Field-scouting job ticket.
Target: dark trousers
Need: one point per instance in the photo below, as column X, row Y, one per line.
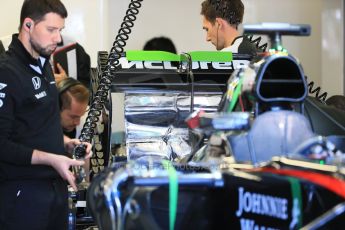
column 33, row 204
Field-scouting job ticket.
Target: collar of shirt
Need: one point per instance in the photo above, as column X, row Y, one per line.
column 17, row 47
column 234, row 46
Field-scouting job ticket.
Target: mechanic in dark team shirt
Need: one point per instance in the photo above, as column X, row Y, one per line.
column 220, row 20
column 34, row 167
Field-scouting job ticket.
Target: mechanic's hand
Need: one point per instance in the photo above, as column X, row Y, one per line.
column 72, row 143
column 62, row 165
column 61, row 73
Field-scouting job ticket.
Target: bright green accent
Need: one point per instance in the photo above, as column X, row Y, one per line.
column 296, row 194
column 235, row 96
column 282, row 49
column 322, row 162
column 202, row 56
column 212, row 56
column 173, row 192
column 140, row 55
column 279, row 49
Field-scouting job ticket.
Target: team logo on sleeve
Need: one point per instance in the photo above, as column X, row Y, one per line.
column 36, row 81
column 2, row 95
column 2, row 86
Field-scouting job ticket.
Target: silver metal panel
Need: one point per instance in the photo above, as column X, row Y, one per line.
column 155, row 122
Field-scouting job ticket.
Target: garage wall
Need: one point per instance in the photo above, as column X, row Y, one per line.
column 94, row 23
column 332, row 47
column 183, row 25
column 87, row 22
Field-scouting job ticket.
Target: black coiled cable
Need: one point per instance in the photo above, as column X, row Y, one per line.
column 257, row 42
column 316, row 90
column 100, row 96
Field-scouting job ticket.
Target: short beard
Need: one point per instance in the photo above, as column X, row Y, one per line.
column 39, row 49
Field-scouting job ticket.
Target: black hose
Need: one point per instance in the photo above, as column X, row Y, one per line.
column 100, row 96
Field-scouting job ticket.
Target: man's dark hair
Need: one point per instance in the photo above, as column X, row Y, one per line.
column 70, row 88
column 161, row 44
column 230, row 10
column 37, row 9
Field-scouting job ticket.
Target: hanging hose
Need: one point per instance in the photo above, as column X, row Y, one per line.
column 256, row 42
column 100, row 96
column 104, row 84
column 317, row 91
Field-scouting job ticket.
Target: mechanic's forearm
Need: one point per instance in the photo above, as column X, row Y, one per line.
column 42, row 158
column 66, row 139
